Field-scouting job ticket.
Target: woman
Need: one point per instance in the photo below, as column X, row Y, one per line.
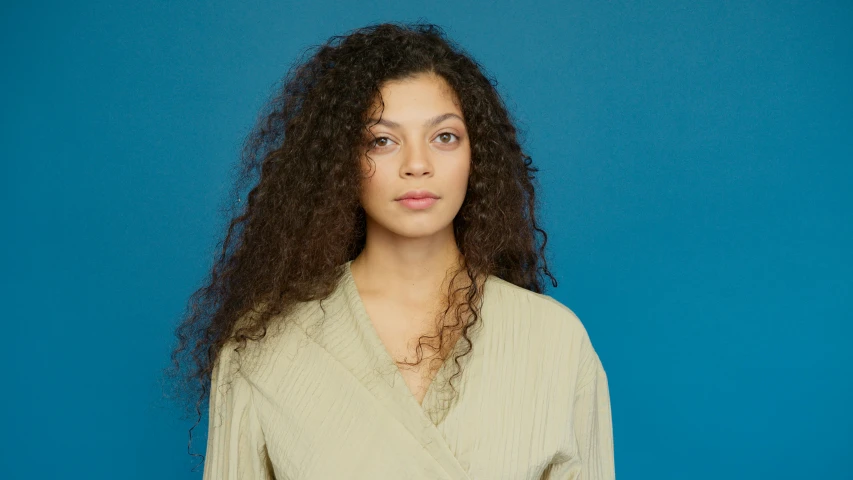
column 377, row 309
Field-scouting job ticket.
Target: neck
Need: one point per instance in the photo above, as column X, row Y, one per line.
column 415, row 276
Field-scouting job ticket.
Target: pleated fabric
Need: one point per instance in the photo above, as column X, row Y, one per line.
column 321, row 398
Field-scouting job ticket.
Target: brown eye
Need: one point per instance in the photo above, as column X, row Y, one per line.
column 445, row 134
column 375, row 142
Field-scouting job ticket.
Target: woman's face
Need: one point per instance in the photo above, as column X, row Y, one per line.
column 422, row 144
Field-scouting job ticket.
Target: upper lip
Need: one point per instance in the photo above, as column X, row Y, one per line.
column 417, row 194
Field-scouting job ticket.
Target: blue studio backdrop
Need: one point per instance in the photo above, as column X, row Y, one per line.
column 695, row 181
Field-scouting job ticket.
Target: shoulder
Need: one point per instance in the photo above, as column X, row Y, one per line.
column 518, row 304
column 249, row 357
column 539, row 325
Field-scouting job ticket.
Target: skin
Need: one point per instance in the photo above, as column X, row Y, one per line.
column 401, row 273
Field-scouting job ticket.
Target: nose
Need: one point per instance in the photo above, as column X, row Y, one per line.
column 416, row 160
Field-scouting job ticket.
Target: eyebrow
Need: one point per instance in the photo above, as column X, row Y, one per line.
column 428, row 124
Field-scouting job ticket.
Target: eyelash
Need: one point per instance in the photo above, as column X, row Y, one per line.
column 372, row 143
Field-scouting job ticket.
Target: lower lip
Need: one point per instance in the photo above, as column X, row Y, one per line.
column 418, row 203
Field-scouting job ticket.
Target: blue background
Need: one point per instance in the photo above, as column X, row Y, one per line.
column 695, row 176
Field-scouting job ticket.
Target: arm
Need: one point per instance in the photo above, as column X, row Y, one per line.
column 235, row 443
column 593, row 430
column 593, row 426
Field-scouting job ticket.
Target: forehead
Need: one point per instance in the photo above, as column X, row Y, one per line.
column 416, row 97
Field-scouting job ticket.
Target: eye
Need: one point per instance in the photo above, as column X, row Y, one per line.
column 445, row 134
column 382, row 142
column 375, row 142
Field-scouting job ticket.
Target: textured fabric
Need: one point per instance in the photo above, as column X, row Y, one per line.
column 321, row 398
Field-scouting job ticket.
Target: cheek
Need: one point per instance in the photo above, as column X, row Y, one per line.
column 461, row 176
column 368, row 175
column 374, row 189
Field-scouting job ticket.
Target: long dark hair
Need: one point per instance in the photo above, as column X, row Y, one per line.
column 285, row 243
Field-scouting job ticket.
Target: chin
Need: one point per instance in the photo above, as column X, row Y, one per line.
column 419, row 229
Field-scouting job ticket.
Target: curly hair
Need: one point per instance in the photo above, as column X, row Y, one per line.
column 285, row 244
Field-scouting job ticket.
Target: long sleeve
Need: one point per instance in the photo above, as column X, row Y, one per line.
column 593, row 429
column 235, row 444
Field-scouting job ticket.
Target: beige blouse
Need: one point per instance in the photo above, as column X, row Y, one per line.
column 321, row 398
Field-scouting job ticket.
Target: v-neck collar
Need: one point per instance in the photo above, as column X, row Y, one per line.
column 355, row 343
column 366, row 325
column 345, row 333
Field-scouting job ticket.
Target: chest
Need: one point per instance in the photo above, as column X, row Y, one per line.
column 338, row 404
column 400, row 328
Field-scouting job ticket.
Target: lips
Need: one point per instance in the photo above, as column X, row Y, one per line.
column 417, row 194
column 418, row 203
